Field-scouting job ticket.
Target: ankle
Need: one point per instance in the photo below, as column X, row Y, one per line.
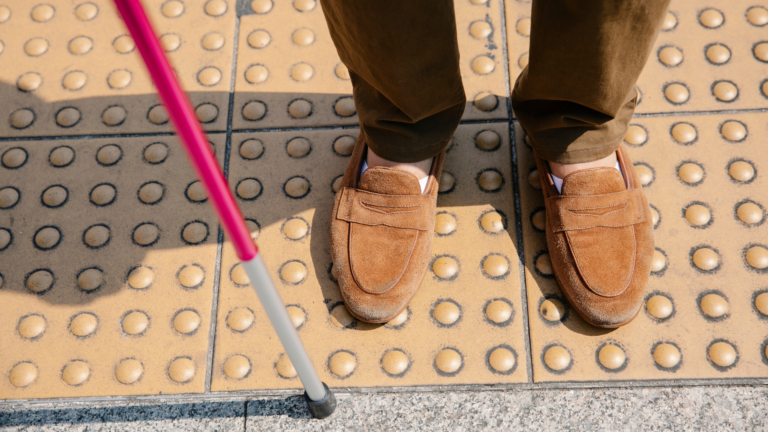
column 562, row 170
column 419, row 169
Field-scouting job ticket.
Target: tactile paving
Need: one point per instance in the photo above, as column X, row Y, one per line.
column 465, row 324
column 708, row 57
column 69, row 68
column 706, row 307
column 289, row 74
column 106, row 268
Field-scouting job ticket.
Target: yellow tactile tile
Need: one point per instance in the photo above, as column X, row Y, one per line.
column 78, row 72
column 708, row 57
column 103, row 291
column 464, row 325
column 289, row 75
column 705, row 309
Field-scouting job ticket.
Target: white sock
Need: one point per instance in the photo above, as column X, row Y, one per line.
column 422, row 182
column 559, row 182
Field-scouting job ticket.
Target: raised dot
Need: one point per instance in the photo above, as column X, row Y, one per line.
column 344, row 145
column 248, row 189
column 487, row 140
column 448, row 361
column 761, row 52
column 113, row 116
column 5, row 14
column 186, row 322
column 119, row 79
column 151, row 193
column 124, row 44
column 395, row 362
column 492, row 222
column 523, row 61
column 722, row 354
column 533, row 179
column 445, row 267
column 146, row 234
column 297, row 316
column 295, row 228
column 209, row 76
column 446, row 313
column 158, row 115
column 172, row 8
column 181, row 370
column 256, row 74
column 557, row 358
column 254, row 110
column 238, row 275
column 75, row 372
column 80, row 45
column 304, row 5
column 336, row 185
column 611, row 357
column 711, row 18
column 733, row 131
column 757, row 16
column 725, row 91
column 490, row 180
column 86, row 11
column 196, row 192
column 170, row 42
column 552, row 310
column 141, row 277
column 447, row 181
column 191, row 276
column 303, row 37
column 345, row 107
column 483, row 65
column 195, row 232
column 36, row 47
column 284, row 367
column 523, row 27
column 253, row 227
column 445, row 223
column 129, row 371
column 342, row 364
column 741, row 171
column 206, row 112
column 302, row 72
column 240, row 319
column 296, row 187
column 718, row 53
column 96, row 236
column 293, row 272
column 501, row 360
column 83, row 324
column 480, row 29
column 544, row 265
column 29, row 81
column 237, row 367
column 670, row 56
column 690, row 173
column 706, row 259
column 479, row 2
column 68, row 117
column 757, row 257
column 103, row 194
column 342, row 72
column 749, row 213
column 714, row 305
column 14, row 158
column 251, row 149
column 644, row 174
column 23, row 374
column 31, row 326
column 340, row 316
column 659, row 307
column 74, row 80
column 761, row 303
column 5, row 240
column 8, row 197
column 90, row 279
column 539, row 220
column 495, row 266
column 22, row 118
column 42, row 13
column 697, row 215
column 300, row 108
column 670, row 21
column 61, row 156
column 399, row 320
column 216, row 8
column 298, row 147
column 676, row 93
column 684, row 133
column 635, row 135
column 47, row 238
column 498, row 311
column 486, row 101
column 135, row 323
column 259, row 38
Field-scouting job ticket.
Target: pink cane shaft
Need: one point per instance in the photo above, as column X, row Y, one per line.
column 187, row 127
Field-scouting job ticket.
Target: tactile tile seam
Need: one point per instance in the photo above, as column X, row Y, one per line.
column 707, row 57
column 706, row 310
column 69, row 68
column 463, row 326
column 289, row 74
column 106, row 269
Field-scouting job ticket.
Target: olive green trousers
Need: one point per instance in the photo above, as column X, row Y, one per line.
column 574, row 99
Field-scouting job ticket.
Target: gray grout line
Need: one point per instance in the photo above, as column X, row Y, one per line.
column 701, row 113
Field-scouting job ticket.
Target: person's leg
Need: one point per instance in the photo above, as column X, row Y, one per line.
column 403, row 58
column 577, row 95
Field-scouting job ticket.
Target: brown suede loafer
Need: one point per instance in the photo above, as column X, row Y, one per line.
column 600, row 239
column 381, row 236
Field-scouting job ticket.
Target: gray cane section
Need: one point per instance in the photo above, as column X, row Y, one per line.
column 278, row 316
